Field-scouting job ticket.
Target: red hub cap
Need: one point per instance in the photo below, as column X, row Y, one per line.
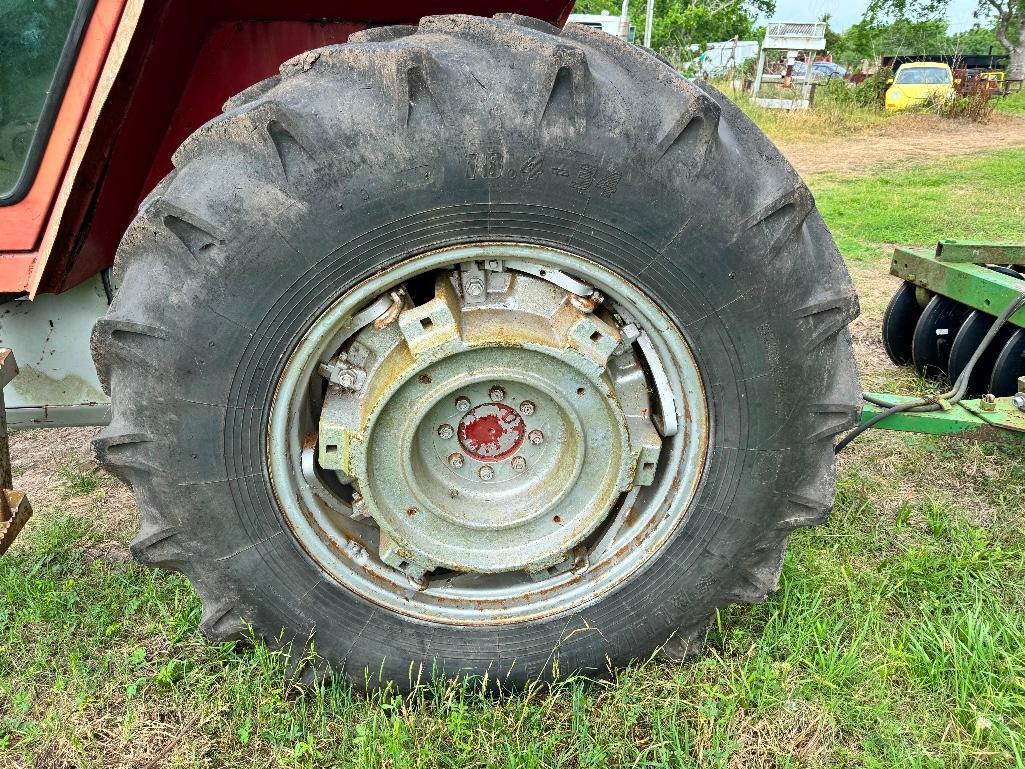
column 491, row 432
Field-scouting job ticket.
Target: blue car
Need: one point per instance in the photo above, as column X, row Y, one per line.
column 821, row 70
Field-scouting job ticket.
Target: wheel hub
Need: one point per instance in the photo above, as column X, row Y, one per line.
column 489, row 434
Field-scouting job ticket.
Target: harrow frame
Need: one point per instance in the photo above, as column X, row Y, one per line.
column 958, row 270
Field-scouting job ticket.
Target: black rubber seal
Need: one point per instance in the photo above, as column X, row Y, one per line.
column 48, row 115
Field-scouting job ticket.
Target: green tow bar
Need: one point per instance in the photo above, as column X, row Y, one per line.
column 979, row 419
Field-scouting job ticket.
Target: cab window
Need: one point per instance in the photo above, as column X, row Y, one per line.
column 923, row 76
column 38, row 45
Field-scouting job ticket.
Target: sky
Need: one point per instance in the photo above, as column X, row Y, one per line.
column 847, row 12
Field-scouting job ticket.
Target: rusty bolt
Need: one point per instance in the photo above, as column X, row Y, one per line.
column 536, row 437
column 519, row 464
column 527, row 408
column 463, row 404
column 393, row 311
column 421, row 583
column 347, row 379
column 580, row 562
column 586, row 304
column 475, row 288
column 486, row 473
column 988, row 402
column 456, row 460
column 357, row 550
column 445, row 432
column 496, row 393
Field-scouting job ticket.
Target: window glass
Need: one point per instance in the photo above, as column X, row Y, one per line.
column 32, row 37
column 923, row 76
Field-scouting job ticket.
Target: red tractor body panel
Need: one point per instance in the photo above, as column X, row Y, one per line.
column 147, row 75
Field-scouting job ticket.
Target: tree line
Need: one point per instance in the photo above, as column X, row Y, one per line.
column 888, row 27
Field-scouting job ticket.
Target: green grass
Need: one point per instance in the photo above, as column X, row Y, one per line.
column 1014, row 104
column 76, row 483
column 897, row 638
column 972, row 196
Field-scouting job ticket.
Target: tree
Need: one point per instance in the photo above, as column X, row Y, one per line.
column 977, row 40
column 834, row 39
column 679, row 24
column 871, row 38
column 1008, row 17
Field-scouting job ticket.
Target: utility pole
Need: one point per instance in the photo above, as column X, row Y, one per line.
column 624, row 21
column 647, row 23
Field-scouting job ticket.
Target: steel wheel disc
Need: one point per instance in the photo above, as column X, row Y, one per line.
column 508, row 449
column 1009, row 365
column 902, row 313
column 934, row 334
column 968, row 338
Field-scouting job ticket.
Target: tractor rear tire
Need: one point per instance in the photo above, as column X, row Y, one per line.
column 469, row 130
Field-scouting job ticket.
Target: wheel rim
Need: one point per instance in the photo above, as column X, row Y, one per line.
column 511, row 447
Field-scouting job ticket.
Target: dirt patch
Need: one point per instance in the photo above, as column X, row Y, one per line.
column 904, row 141
column 875, row 286
column 57, row 469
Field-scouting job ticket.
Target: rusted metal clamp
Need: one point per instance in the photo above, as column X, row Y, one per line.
column 15, row 509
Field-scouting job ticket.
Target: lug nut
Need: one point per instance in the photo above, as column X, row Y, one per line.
column 527, row 408
column 463, row 404
column 475, row 288
column 486, row 473
column 357, row 551
column 536, row 437
column 445, row 432
column 456, row 460
column 1019, row 401
column 496, row 393
column 519, row 464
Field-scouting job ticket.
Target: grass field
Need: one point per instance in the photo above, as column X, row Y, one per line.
column 1014, row 104
column 980, row 196
column 897, row 637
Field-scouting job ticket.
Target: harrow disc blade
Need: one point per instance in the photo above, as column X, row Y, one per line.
column 1012, row 272
column 934, row 334
column 975, row 327
column 902, row 313
column 1009, row 365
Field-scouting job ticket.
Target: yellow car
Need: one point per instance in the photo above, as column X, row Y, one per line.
column 917, row 82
